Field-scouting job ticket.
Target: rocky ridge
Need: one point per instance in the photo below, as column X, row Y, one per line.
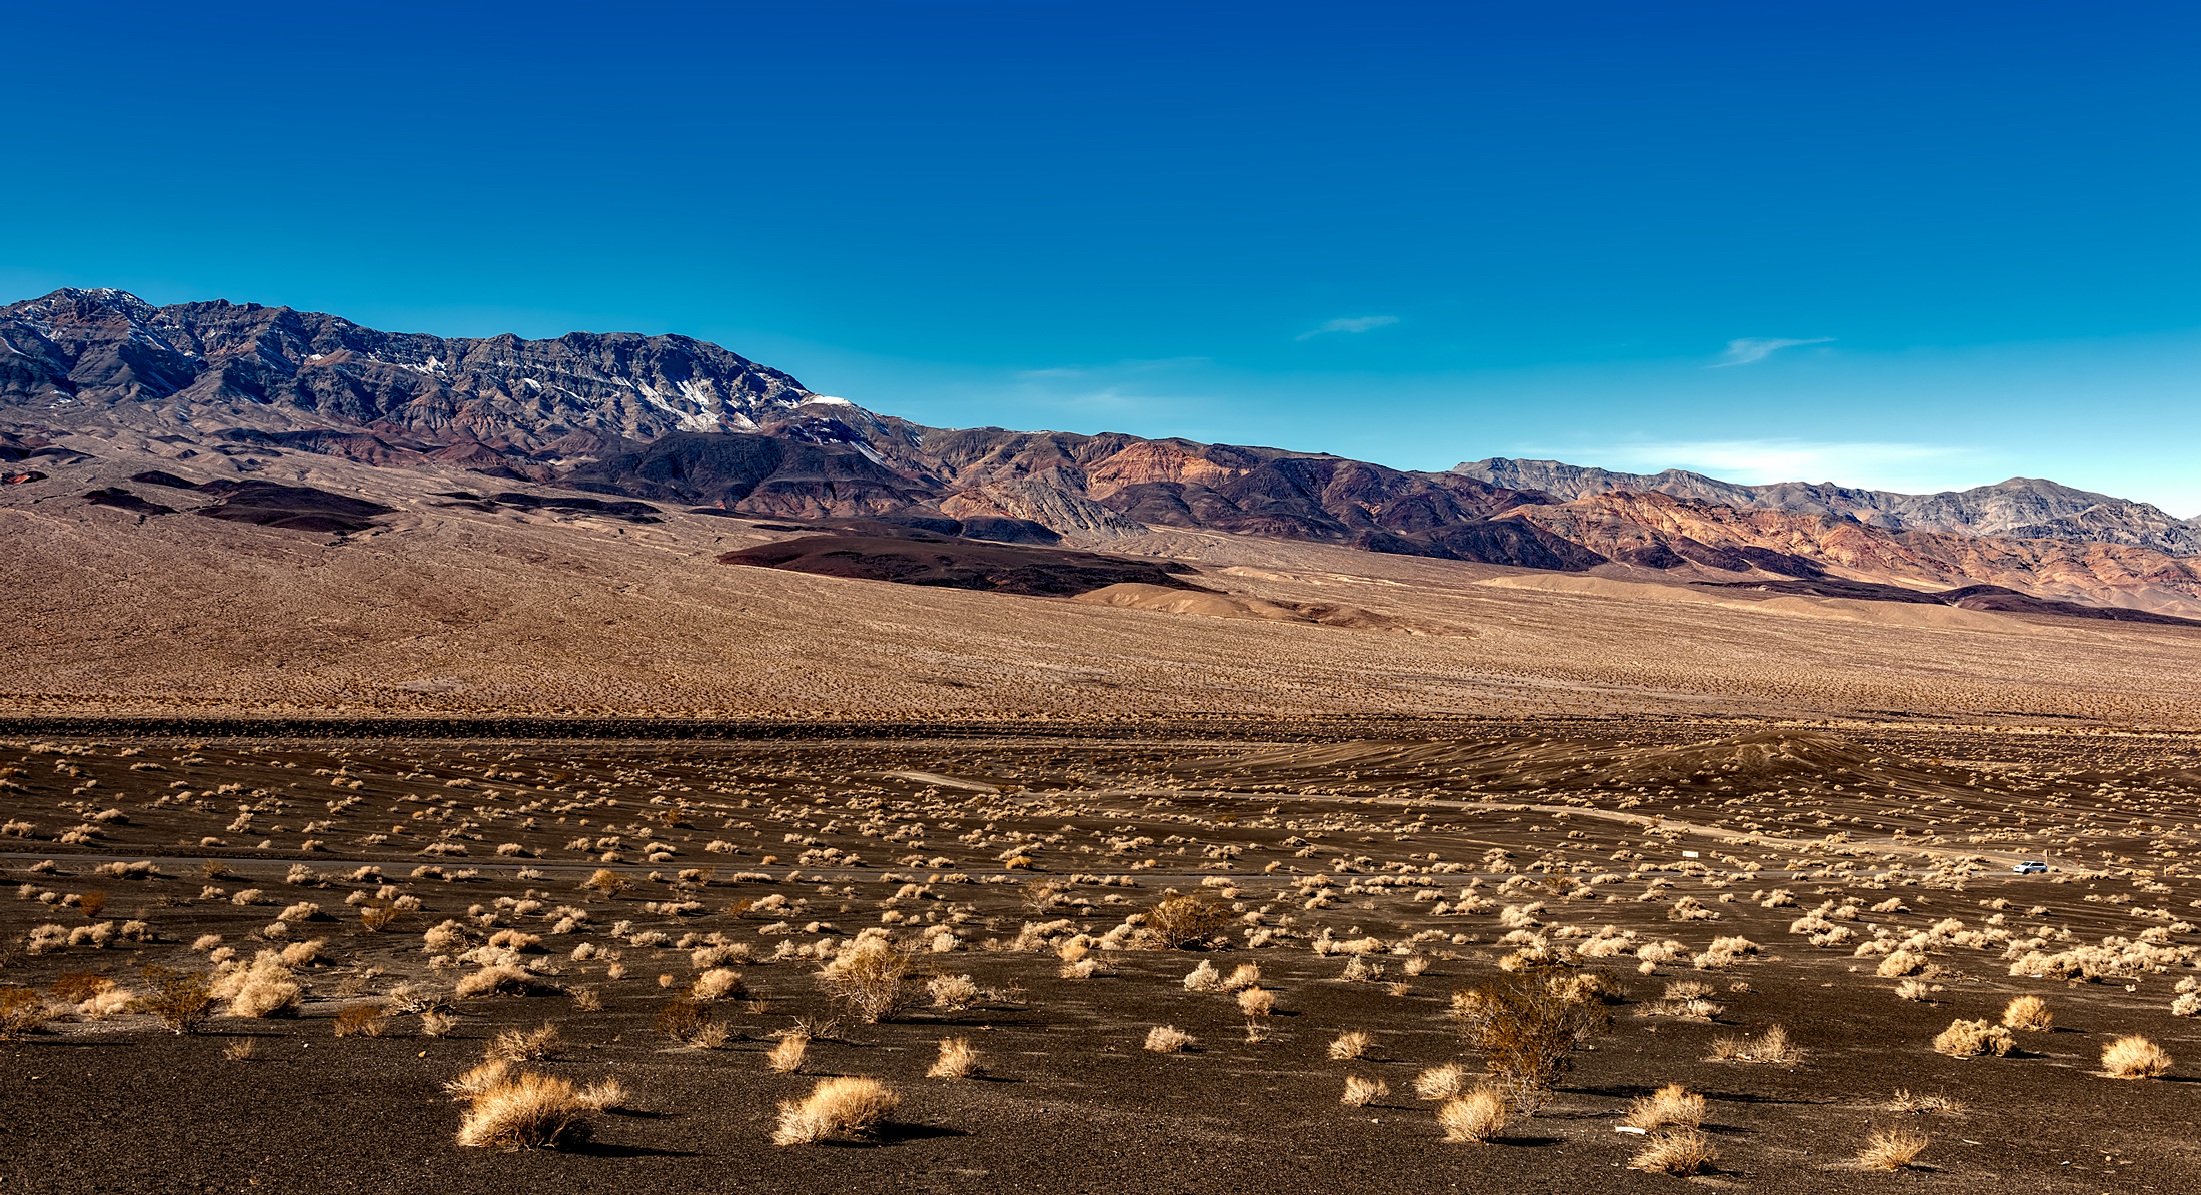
column 672, row 420
column 2020, row 508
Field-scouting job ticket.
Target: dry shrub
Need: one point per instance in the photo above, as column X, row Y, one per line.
column 1683, row 1152
column 1445, row 1081
column 1527, row 1028
column 75, row 987
column 587, row 1000
column 716, row 984
column 2029, row 1014
column 525, row 1111
column 691, row 1022
column 1479, row 1115
column 501, row 980
column 785, row 1058
column 847, row 1106
column 1361, row 1092
column 362, row 1020
column 22, row 1011
column 437, row 1024
column 1184, row 922
column 1350, row 1045
column 377, row 916
column 953, row 992
column 606, row 882
column 447, row 937
column 1256, row 1002
column 1900, row 963
column 263, row 988
column 1970, row 1039
column 1892, row 1149
column 241, row 1049
column 1204, row 978
column 1913, row 989
column 1167, row 1039
column 958, row 1060
column 482, row 1077
column 91, row 903
column 2134, row 1057
column 874, row 977
column 524, row 1045
column 1670, row 1107
column 1772, row 1047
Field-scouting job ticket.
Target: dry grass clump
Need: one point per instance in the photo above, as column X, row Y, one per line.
column 1167, row 1039
column 525, row 1111
column 847, row 1106
column 1256, row 1002
column 1478, row 1115
column 1914, row 989
column 262, row 988
column 1683, row 1152
column 2029, row 1014
column 1361, row 1092
column 1445, row 1081
column 786, row 1055
column 1900, row 963
column 1892, row 1149
column 1772, row 1047
column 1970, row 1039
column 1670, row 1107
column 362, row 1020
column 2134, row 1057
column 1204, row 978
column 958, row 1060
column 717, row 983
column 525, row 1045
column 435, row 1023
column 480, row 1078
column 501, row 979
column 874, row 977
column 1350, row 1045
column 1904, row 1101
column 241, row 1049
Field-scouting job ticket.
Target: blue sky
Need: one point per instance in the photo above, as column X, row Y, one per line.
column 1913, row 245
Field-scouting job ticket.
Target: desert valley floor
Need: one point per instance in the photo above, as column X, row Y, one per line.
column 319, row 844
column 595, row 905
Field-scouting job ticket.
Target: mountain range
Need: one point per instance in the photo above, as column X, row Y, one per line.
column 671, row 419
column 2020, row 508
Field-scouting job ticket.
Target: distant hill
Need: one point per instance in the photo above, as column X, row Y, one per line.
column 2020, row 508
column 99, row 386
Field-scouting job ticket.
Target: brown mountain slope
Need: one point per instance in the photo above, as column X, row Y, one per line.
column 505, row 606
column 1658, row 531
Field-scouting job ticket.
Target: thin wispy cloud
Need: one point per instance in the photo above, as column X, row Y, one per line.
column 1351, row 326
column 1749, row 350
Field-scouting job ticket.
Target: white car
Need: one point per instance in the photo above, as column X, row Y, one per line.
column 2031, row 867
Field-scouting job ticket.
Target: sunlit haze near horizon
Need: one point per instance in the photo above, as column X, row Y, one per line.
column 1903, row 246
